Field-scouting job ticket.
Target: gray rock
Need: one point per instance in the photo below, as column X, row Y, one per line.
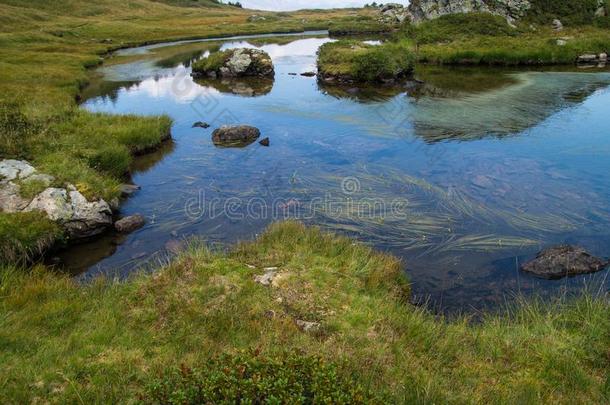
column 306, row 326
column 512, row 10
column 557, row 25
column 130, row 223
column 128, row 189
column 10, row 199
column 588, row 58
column 564, row 261
column 15, row 169
column 235, row 135
column 267, row 278
column 561, row 42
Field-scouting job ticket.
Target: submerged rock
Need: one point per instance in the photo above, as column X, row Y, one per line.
column 564, row 261
column 128, row 189
column 130, row 223
column 235, row 135
column 237, row 62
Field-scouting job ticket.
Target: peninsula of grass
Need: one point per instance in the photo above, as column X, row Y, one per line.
column 349, row 61
column 201, row 329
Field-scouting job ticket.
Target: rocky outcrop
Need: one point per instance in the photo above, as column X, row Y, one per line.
column 394, row 13
column 240, row 62
column 235, row 135
column 564, row 261
column 512, row 10
column 593, row 59
column 79, row 217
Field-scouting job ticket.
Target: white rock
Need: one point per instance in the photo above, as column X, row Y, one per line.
column 10, row 199
column 54, row 202
column 12, row 169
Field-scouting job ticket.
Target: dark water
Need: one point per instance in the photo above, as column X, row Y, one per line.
column 464, row 176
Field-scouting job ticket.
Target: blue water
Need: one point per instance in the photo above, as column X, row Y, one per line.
column 462, row 179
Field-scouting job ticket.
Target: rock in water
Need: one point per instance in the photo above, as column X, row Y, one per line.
column 564, row 261
column 201, row 124
column 237, row 62
column 130, row 223
column 235, row 135
column 264, row 142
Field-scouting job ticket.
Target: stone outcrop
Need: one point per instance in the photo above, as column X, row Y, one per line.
column 512, row 10
column 564, row 261
column 394, row 13
column 239, row 62
column 79, row 217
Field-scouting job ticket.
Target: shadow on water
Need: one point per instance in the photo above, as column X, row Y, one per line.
column 463, row 173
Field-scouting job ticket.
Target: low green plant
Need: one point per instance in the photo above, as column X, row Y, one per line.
column 570, row 12
column 452, row 26
column 212, row 63
column 249, row 377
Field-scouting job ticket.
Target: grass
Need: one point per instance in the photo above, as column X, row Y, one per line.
column 482, row 39
column 121, row 341
column 350, row 60
column 25, row 236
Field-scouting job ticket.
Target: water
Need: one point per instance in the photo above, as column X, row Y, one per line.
column 464, row 176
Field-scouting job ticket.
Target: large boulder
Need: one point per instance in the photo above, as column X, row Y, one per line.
column 239, row 62
column 564, row 261
column 79, row 217
column 512, row 10
column 235, row 135
column 394, row 13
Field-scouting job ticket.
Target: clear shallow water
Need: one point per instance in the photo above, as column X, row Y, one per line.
column 463, row 176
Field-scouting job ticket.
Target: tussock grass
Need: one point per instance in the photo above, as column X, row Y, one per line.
column 69, row 343
column 26, row 236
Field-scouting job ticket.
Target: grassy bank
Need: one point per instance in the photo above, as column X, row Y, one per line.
column 46, row 50
column 482, row 39
column 153, row 335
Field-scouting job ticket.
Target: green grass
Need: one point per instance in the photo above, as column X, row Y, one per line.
column 483, row 39
column 358, row 25
column 350, row 60
column 117, row 341
column 25, row 236
column 570, row 12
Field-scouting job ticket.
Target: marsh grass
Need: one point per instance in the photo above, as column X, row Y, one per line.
column 70, row 343
column 24, row 237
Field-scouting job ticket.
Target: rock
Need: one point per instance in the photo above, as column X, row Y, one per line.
column 564, row 261
column 79, row 217
column 267, row 278
column 10, row 199
column 264, row 142
column 588, row 58
column 15, row 169
column 561, row 42
column 235, row 135
column 306, row 326
column 128, row 189
column 557, row 25
column 308, row 74
column 201, row 124
column 255, row 18
column 239, row 62
column 292, row 74
column 394, row 13
column 512, row 10
column 603, row 57
column 601, row 9
column 130, row 223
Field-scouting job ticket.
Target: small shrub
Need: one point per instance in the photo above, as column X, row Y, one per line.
column 255, row 379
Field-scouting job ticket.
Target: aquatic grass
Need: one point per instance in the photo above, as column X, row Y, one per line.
column 70, row 342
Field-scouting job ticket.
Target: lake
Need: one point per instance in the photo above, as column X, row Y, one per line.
column 464, row 174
